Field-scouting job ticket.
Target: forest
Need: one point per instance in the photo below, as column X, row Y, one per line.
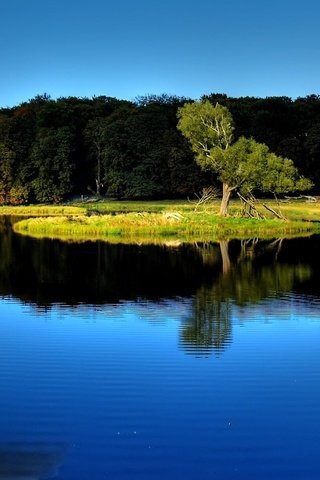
column 53, row 150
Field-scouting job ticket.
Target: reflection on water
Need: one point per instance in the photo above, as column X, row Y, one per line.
column 214, row 276
column 250, row 275
column 29, row 461
column 152, row 362
column 45, row 272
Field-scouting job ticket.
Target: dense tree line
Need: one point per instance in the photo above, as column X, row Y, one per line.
column 54, row 149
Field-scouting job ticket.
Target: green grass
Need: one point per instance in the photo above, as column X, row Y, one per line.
column 156, row 222
column 160, row 221
column 297, row 210
column 301, row 211
column 127, row 206
column 294, row 211
column 42, row 210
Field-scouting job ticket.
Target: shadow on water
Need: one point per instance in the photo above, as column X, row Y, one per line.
column 50, row 271
column 29, row 461
column 215, row 276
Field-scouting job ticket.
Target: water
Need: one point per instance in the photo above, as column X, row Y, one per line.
column 134, row 362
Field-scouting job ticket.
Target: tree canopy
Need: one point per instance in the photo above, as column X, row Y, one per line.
column 57, row 149
column 243, row 165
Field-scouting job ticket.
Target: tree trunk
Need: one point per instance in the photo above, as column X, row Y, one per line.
column 224, row 251
column 226, row 192
column 98, row 179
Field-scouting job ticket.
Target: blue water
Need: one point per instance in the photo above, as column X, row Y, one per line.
column 112, row 388
column 185, row 387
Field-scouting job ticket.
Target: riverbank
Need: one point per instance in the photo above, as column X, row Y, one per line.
column 42, row 210
column 160, row 221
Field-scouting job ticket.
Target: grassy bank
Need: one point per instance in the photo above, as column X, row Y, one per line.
column 166, row 221
column 42, row 210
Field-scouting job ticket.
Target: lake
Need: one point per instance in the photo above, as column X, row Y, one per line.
column 150, row 362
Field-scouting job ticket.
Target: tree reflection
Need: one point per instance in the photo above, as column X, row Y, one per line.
column 46, row 271
column 249, row 273
column 217, row 276
column 208, row 327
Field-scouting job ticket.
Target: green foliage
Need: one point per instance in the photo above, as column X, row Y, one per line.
column 186, row 176
column 243, row 166
column 312, row 149
column 207, row 127
column 138, row 150
column 250, row 166
column 95, row 138
column 136, row 154
column 18, row 194
column 11, row 189
column 7, row 158
column 52, row 164
column 280, row 176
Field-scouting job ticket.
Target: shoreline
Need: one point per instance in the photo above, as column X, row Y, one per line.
column 158, row 222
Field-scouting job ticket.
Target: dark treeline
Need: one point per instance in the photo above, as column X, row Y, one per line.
column 51, row 150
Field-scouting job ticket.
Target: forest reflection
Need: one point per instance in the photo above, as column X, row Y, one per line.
column 214, row 276
column 43, row 272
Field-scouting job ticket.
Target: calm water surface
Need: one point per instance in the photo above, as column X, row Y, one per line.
column 149, row 362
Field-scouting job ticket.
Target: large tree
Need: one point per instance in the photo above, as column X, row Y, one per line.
column 242, row 166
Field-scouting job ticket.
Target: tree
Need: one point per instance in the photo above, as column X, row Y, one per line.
column 95, row 137
column 52, row 164
column 7, row 157
column 135, row 154
column 242, row 166
column 12, row 190
column 312, row 146
column 210, row 132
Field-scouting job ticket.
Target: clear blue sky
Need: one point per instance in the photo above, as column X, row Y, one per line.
column 125, row 48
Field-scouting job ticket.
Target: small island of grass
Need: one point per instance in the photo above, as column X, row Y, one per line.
column 162, row 221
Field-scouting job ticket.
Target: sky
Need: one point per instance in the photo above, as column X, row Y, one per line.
column 128, row 48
